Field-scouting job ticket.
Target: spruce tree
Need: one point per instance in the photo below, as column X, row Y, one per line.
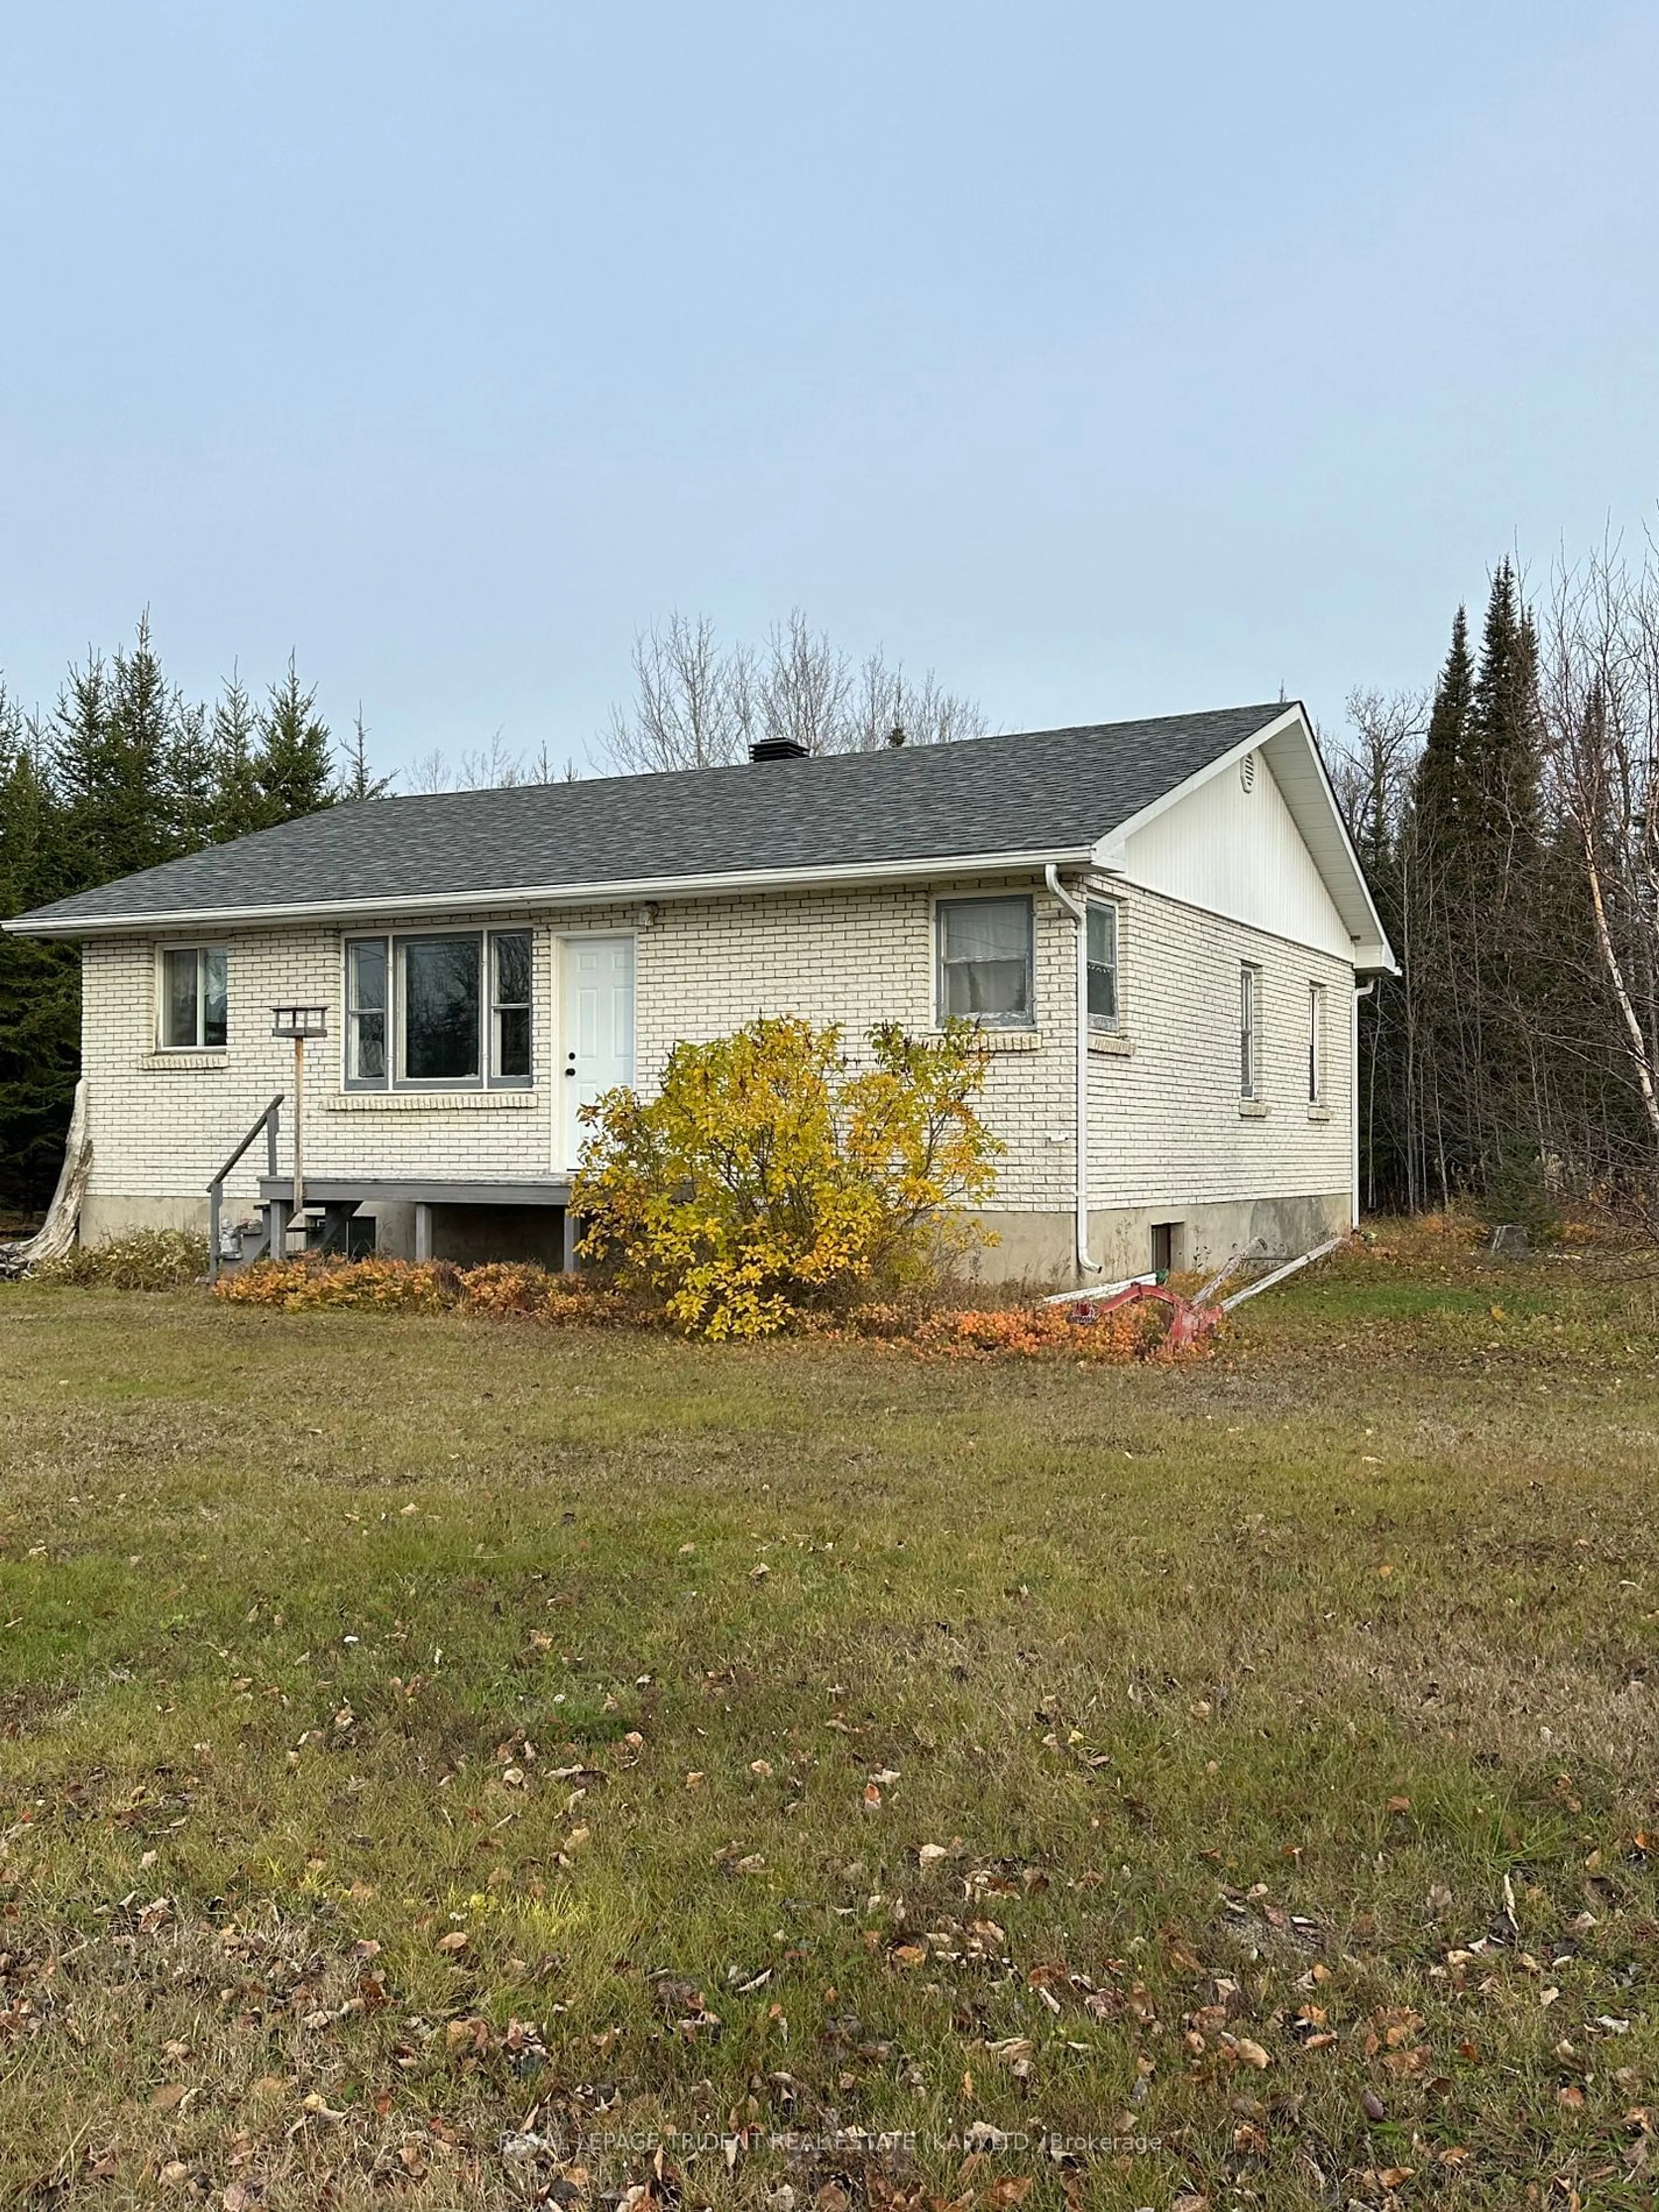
column 293, row 761
column 360, row 780
column 237, row 807
column 1503, row 731
column 1439, row 793
column 194, row 779
column 111, row 744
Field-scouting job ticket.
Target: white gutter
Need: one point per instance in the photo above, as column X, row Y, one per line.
column 492, row 898
column 1087, row 1264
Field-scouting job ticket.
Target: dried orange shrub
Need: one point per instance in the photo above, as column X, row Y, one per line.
column 507, row 1286
column 422, row 1286
column 1134, row 1332
column 310, row 1286
column 522, row 1291
column 502, row 1289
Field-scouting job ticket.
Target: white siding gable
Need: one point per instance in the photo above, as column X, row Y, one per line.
column 1239, row 853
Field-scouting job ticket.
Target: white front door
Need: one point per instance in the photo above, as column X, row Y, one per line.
column 598, row 1030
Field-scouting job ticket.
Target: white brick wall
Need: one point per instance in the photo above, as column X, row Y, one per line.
column 1165, row 1125
column 1166, row 1121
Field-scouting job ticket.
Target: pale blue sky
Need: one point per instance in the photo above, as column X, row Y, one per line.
column 1110, row 359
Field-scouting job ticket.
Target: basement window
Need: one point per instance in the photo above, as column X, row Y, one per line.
column 417, row 1017
column 985, row 962
column 194, row 999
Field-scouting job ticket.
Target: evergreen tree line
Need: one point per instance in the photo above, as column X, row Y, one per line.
column 123, row 772
column 1498, row 1067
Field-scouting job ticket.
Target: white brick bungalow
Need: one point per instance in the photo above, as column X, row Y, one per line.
column 1160, row 925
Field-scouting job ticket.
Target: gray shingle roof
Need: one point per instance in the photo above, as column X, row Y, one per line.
column 1043, row 791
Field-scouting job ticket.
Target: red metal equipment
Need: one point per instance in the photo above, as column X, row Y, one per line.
column 1188, row 1321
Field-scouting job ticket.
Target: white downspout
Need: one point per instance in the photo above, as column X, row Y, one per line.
column 1087, row 1264
column 1360, row 991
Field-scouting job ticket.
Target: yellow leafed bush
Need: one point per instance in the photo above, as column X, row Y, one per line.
column 767, row 1178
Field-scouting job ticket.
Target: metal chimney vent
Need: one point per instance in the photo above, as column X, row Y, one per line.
column 765, row 749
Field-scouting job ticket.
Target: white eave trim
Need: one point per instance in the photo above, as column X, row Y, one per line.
column 512, row 898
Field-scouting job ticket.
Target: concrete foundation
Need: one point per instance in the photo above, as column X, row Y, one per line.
column 1039, row 1249
column 106, row 1216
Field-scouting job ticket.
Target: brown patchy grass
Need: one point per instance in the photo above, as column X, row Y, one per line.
column 1170, row 1761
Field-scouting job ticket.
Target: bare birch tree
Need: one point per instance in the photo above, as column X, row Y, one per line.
column 1599, row 689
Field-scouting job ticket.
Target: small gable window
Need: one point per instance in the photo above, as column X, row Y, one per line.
column 195, row 999
column 985, row 962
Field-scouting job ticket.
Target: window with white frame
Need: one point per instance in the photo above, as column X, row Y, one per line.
column 1103, row 1000
column 985, row 962
column 194, row 999
column 1249, row 1031
column 438, row 1010
column 510, row 1007
column 1316, row 1044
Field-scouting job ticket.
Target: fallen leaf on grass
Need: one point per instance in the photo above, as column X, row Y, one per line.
column 1016, row 2052
column 455, row 1941
column 170, row 2096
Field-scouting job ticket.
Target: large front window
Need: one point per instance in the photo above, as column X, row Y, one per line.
column 195, row 999
column 985, row 962
column 439, row 976
column 438, row 1011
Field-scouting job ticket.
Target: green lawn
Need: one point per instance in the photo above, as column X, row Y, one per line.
column 440, row 1761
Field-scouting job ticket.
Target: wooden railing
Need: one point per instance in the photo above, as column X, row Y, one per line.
column 267, row 1122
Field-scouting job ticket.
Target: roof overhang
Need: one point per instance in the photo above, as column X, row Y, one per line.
column 1288, row 745
column 927, row 868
